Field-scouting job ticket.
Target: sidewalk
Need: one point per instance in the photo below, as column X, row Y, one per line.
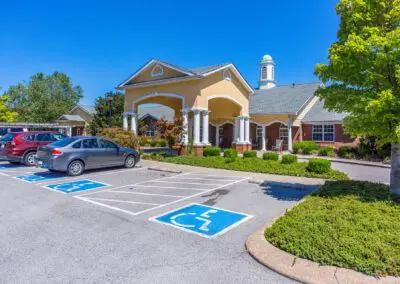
column 255, row 177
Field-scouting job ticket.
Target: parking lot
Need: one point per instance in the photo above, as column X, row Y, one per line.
column 133, row 225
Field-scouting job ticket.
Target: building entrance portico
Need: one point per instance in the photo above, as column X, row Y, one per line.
column 195, row 96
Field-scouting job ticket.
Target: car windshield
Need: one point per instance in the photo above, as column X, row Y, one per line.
column 8, row 137
column 64, row 142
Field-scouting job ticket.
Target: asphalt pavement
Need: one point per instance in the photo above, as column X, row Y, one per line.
column 115, row 225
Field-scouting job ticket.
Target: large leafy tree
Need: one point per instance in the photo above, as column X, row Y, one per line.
column 5, row 114
column 363, row 74
column 101, row 118
column 44, row 98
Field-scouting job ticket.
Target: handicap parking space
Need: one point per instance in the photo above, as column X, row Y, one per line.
column 143, row 197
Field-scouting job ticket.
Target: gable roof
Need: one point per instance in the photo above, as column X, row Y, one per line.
column 71, row 117
column 194, row 73
column 89, row 109
column 156, row 112
column 319, row 113
column 289, row 99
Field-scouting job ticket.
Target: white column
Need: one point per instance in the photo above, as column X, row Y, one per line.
column 263, row 140
column 69, row 131
column 205, row 127
column 196, row 129
column 217, row 136
column 236, row 130
column 290, row 142
column 247, row 130
column 241, row 130
column 133, row 123
column 185, row 138
column 125, row 121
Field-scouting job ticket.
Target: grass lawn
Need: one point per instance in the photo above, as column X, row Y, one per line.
column 348, row 224
column 256, row 165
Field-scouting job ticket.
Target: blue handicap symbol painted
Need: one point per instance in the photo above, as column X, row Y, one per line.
column 75, row 186
column 203, row 220
column 39, row 177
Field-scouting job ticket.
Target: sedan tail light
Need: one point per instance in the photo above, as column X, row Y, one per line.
column 56, row 152
column 15, row 142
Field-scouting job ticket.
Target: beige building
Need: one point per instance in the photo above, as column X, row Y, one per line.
column 80, row 117
column 219, row 107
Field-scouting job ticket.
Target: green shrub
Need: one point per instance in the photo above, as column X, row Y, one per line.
column 162, row 154
column 319, row 166
column 289, row 159
column 343, row 150
column 272, row 156
column 325, row 151
column 141, row 152
column 349, row 156
column 161, row 143
column 122, row 137
column 331, row 154
column 250, row 154
column 305, row 147
column 212, row 152
column 230, row 153
column 153, row 143
column 363, row 152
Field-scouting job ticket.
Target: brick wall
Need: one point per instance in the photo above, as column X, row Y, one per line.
column 340, row 137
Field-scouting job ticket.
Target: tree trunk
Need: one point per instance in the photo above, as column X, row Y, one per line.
column 395, row 171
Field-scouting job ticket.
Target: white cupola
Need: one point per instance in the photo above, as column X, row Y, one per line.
column 267, row 73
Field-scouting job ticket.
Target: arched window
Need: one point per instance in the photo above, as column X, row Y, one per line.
column 157, row 71
column 283, row 133
column 264, row 72
column 226, row 74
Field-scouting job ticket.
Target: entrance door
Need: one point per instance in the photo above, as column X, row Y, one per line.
column 211, row 134
column 227, row 135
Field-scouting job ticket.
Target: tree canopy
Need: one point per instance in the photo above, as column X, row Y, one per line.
column 101, row 118
column 363, row 74
column 44, row 98
column 5, row 114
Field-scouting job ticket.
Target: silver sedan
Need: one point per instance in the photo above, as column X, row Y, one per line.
column 76, row 154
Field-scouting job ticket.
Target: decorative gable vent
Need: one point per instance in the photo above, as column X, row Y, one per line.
column 226, row 74
column 157, row 71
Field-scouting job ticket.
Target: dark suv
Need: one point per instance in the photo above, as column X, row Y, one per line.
column 21, row 147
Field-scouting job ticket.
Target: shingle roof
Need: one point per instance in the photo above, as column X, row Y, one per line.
column 288, row 99
column 71, row 117
column 157, row 112
column 319, row 113
column 206, row 69
column 88, row 108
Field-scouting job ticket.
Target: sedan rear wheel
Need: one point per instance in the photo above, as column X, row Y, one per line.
column 29, row 159
column 75, row 168
column 130, row 161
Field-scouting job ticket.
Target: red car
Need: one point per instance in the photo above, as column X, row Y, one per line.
column 21, row 147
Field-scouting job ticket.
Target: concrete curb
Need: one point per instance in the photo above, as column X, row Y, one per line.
column 303, row 270
column 351, row 162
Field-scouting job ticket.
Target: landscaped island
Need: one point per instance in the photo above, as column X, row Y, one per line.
column 269, row 164
column 348, row 224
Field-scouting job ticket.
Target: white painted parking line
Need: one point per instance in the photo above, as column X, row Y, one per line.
column 183, row 182
column 144, row 193
column 97, row 201
column 217, row 176
column 206, row 178
column 159, row 186
column 122, row 201
column 94, row 175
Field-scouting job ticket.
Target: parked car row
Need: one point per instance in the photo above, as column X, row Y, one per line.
column 56, row 152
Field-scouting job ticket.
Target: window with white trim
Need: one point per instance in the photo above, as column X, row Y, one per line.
column 283, row 134
column 226, row 74
column 157, row 71
column 150, row 132
column 324, row 133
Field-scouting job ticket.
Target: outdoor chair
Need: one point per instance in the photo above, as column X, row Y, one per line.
column 278, row 145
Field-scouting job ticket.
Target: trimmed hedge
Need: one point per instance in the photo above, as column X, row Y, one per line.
column 319, row 166
column 230, row 153
column 326, row 151
column 250, row 154
column 344, row 151
column 212, row 152
column 254, row 165
column 289, row 159
column 272, row 156
column 305, row 147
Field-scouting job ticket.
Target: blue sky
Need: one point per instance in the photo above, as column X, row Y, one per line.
column 100, row 43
